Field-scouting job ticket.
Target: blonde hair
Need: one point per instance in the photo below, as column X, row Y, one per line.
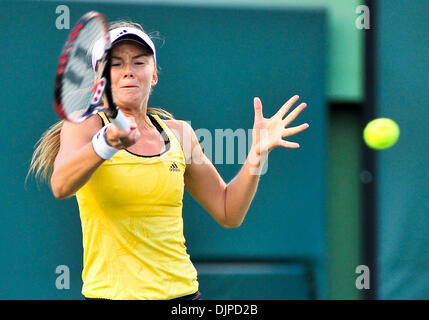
column 47, row 147
column 46, row 150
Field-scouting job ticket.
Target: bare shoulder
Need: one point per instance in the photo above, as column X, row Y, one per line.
column 181, row 129
column 178, row 124
column 185, row 134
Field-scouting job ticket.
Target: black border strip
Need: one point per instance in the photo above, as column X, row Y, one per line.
column 369, row 176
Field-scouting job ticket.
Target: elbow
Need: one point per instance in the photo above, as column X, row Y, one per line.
column 57, row 189
column 232, row 224
column 233, row 219
column 58, row 195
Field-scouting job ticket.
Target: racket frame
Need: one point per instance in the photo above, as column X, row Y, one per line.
column 102, row 75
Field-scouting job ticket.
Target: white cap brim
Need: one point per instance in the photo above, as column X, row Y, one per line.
column 115, row 35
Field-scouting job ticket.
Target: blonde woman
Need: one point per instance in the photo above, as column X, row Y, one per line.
column 129, row 185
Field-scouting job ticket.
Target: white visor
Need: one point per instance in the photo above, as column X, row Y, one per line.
column 116, row 34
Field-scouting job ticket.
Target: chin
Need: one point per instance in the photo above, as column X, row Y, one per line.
column 129, row 103
column 129, row 99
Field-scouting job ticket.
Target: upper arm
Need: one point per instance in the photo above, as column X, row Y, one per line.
column 74, row 136
column 202, row 180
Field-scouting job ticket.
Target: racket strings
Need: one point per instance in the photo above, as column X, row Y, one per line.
column 79, row 77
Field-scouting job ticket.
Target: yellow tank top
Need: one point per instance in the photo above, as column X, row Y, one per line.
column 131, row 215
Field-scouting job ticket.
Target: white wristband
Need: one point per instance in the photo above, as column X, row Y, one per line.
column 100, row 145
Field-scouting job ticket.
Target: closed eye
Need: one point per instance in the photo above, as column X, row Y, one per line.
column 117, row 64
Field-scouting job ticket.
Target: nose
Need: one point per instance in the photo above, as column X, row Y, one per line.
column 128, row 72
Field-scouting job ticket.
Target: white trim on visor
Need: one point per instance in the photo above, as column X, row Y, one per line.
column 115, row 34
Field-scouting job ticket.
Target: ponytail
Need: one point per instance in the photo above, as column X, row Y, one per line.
column 42, row 162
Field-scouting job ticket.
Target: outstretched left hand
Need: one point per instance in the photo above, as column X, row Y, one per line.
column 269, row 133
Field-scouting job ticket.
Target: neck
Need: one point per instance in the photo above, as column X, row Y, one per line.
column 138, row 117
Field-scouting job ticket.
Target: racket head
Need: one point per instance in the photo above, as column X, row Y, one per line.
column 78, row 88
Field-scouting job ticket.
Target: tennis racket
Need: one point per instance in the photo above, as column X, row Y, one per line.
column 78, row 89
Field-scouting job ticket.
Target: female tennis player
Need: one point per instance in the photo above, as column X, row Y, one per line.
column 129, row 184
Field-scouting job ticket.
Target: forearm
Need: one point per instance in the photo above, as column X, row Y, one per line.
column 71, row 174
column 240, row 191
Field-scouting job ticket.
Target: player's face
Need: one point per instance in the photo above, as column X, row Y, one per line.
column 133, row 74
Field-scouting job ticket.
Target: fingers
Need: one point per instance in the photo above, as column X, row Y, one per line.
column 295, row 112
column 113, row 137
column 288, row 144
column 290, row 132
column 121, row 139
column 294, row 130
column 132, row 137
column 257, row 105
column 285, row 108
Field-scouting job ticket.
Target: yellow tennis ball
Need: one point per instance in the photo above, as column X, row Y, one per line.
column 381, row 133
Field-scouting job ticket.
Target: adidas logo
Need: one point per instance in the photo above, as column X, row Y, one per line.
column 174, row 167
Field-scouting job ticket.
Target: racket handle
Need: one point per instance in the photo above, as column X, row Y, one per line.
column 120, row 121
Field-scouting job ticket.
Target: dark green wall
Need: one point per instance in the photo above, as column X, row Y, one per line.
column 344, row 196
